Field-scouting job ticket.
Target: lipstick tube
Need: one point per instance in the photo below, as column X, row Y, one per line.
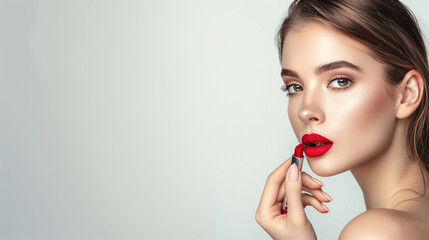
column 298, row 159
column 298, row 156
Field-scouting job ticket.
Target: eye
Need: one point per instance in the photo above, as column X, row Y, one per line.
column 291, row 89
column 340, row 82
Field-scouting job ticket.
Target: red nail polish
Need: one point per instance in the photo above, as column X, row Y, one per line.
column 284, row 211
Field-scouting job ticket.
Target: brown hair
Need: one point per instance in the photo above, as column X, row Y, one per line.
column 391, row 31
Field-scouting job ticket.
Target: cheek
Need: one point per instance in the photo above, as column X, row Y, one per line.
column 367, row 125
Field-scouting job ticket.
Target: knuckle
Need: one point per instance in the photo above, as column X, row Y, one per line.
column 269, row 177
column 308, row 198
column 312, row 201
column 259, row 218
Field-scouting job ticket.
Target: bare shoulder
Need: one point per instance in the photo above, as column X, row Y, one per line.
column 383, row 223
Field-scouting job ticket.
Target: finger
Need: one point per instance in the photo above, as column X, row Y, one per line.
column 272, row 186
column 307, row 199
column 293, row 188
column 311, row 185
column 310, row 182
column 319, row 194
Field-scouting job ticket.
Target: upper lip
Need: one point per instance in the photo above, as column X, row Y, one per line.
column 314, row 138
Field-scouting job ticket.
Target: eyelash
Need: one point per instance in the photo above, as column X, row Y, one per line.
column 284, row 87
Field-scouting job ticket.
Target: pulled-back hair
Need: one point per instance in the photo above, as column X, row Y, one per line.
column 390, row 30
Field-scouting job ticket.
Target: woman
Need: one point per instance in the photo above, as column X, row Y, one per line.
column 356, row 74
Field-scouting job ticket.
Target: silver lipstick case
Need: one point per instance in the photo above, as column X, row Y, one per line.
column 297, row 161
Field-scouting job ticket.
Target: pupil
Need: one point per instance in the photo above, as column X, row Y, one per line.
column 342, row 82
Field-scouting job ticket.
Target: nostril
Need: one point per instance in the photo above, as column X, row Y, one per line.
column 311, row 115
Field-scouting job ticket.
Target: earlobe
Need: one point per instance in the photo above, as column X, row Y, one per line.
column 411, row 92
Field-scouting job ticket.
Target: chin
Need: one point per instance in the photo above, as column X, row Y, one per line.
column 324, row 168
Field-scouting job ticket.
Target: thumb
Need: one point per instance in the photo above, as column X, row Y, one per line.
column 293, row 189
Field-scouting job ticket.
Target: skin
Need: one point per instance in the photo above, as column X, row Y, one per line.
column 366, row 118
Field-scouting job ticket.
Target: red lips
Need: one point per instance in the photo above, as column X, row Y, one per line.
column 316, row 145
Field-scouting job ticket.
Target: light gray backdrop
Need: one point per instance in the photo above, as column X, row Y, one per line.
column 145, row 119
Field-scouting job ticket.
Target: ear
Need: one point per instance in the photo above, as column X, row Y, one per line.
column 410, row 94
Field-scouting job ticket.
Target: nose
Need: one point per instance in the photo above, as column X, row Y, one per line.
column 311, row 111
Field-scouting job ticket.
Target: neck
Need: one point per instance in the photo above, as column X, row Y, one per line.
column 387, row 179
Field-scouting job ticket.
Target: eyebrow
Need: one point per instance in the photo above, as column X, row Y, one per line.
column 324, row 68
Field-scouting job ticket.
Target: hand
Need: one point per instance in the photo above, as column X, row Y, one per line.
column 288, row 181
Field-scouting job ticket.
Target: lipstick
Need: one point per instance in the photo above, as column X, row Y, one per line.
column 297, row 158
column 316, row 145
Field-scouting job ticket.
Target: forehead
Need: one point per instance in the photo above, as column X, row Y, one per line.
column 314, row 43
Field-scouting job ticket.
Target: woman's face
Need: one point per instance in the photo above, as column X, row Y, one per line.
column 337, row 90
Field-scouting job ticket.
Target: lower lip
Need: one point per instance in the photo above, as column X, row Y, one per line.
column 317, row 151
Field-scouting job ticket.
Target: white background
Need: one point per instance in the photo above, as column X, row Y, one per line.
column 146, row 119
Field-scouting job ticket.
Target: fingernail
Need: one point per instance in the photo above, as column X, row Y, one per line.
column 327, row 196
column 293, row 172
column 325, row 208
column 318, row 181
